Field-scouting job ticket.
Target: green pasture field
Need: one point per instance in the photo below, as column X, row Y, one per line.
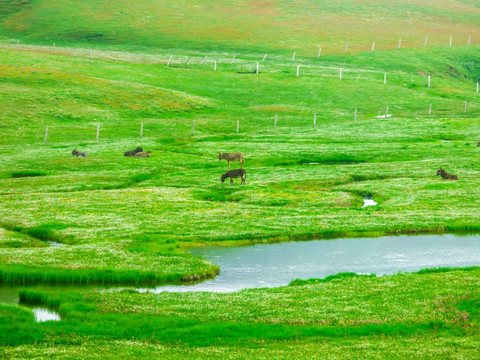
column 132, row 220
column 425, row 315
column 303, row 181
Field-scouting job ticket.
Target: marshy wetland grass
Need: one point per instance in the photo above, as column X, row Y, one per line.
column 129, row 220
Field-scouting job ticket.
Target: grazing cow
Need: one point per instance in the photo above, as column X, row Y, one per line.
column 143, row 154
column 133, row 152
column 478, row 144
column 234, row 174
column 79, row 153
column 445, row 175
column 232, row 157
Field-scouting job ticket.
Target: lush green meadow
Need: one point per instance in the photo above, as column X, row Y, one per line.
column 131, row 220
column 426, row 315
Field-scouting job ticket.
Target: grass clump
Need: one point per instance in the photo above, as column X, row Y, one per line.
column 339, row 276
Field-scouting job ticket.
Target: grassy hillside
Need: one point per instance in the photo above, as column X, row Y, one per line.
column 270, row 26
column 129, row 220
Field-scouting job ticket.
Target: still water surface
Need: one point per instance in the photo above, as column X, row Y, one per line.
column 271, row 265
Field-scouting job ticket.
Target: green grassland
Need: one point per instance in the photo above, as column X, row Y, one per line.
column 424, row 315
column 239, row 26
column 130, row 220
column 303, row 182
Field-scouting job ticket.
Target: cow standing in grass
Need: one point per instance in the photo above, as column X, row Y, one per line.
column 234, row 174
column 232, row 157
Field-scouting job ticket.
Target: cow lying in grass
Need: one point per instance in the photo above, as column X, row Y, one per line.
column 133, row 152
column 235, row 174
column 231, row 157
column 143, row 154
column 79, row 153
column 445, row 175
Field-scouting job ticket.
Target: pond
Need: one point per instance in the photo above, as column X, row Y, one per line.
column 272, row 265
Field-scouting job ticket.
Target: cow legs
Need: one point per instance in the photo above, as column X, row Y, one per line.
column 243, row 180
column 231, row 180
column 228, row 164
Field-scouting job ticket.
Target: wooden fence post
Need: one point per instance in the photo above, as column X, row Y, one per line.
column 373, row 46
column 98, row 131
column 46, row 135
column 193, row 127
column 170, row 60
column 355, row 115
column 319, row 52
column 141, row 130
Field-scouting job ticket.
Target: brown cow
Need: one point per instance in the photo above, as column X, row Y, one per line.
column 445, row 175
column 143, row 154
column 232, row 157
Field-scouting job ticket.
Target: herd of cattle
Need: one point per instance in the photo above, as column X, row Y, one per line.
column 231, row 157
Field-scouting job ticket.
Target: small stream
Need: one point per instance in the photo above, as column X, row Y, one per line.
column 272, row 265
